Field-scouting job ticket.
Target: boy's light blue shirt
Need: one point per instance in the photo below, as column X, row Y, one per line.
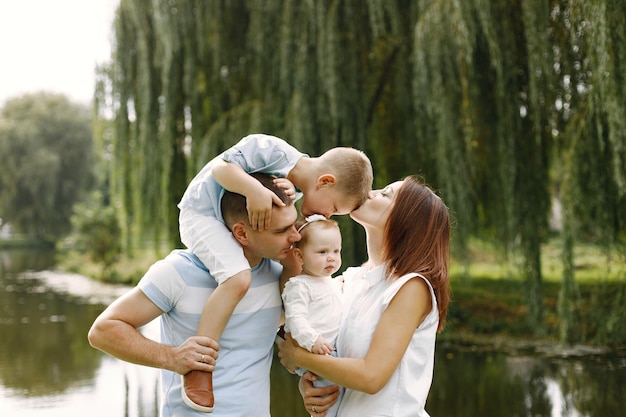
column 254, row 153
column 179, row 285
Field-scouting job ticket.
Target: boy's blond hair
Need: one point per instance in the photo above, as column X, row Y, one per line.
column 353, row 172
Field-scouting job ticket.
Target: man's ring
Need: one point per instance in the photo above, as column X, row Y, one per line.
column 202, row 358
column 314, row 410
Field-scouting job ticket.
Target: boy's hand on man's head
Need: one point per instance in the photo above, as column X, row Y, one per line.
column 259, row 206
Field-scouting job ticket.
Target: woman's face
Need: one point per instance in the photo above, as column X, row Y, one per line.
column 375, row 210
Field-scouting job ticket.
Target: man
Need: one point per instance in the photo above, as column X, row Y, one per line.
column 176, row 288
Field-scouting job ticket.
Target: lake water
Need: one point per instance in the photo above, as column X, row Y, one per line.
column 48, row 369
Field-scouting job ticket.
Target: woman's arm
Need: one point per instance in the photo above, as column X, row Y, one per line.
column 391, row 338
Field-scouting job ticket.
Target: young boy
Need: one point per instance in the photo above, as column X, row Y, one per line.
column 334, row 183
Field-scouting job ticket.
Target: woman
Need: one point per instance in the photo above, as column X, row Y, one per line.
column 395, row 304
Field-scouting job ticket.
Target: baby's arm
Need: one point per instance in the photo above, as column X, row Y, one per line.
column 296, row 301
column 258, row 198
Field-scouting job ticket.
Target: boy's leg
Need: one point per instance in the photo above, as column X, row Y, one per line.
column 211, row 241
column 198, row 385
column 221, row 304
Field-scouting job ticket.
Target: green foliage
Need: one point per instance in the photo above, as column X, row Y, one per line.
column 96, row 232
column 47, row 163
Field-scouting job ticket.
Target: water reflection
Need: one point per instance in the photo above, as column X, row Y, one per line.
column 47, row 367
column 43, row 346
column 488, row 384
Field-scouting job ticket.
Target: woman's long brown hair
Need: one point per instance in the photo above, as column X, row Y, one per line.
column 417, row 239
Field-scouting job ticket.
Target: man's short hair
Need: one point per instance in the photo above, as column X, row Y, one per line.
column 234, row 207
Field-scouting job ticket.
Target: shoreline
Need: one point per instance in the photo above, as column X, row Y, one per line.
column 549, row 348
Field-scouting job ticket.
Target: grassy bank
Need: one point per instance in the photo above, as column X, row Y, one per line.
column 484, row 307
column 489, row 296
column 18, row 242
column 125, row 271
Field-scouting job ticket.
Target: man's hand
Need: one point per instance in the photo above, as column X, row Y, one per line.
column 198, row 353
column 292, row 265
column 317, row 401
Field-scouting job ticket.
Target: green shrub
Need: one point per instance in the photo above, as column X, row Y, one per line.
column 96, row 233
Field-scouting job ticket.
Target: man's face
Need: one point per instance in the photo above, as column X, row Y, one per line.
column 275, row 242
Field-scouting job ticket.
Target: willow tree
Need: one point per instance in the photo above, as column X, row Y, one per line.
column 496, row 103
column 480, row 96
column 591, row 128
column 126, row 149
column 524, row 101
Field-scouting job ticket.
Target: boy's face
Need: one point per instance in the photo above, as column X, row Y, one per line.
column 326, row 201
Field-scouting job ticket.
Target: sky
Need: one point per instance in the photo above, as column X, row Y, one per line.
column 53, row 45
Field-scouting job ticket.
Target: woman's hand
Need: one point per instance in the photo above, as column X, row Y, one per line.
column 317, row 401
column 288, row 351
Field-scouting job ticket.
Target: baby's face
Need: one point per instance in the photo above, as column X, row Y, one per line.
column 321, row 255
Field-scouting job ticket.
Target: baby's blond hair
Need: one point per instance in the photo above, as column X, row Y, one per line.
column 306, row 226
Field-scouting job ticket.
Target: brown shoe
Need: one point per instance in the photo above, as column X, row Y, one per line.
column 197, row 391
